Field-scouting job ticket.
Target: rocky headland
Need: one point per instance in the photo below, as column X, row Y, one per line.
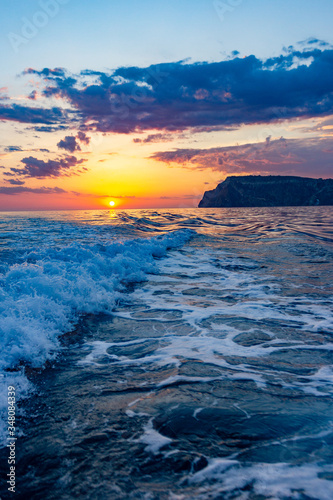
column 269, row 191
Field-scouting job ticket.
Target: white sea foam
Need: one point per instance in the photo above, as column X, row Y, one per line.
column 213, row 351
column 254, row 295
column 272, row 481
column 153, row 439
column 43, row 296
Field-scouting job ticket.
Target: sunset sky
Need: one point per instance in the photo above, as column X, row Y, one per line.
column 150, row 103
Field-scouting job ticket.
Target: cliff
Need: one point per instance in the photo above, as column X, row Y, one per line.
column 269, row 191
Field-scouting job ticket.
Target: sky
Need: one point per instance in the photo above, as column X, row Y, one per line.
column 149, row 104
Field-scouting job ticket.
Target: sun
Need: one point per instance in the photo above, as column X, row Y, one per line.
column 112, row 203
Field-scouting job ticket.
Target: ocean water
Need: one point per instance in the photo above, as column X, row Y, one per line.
column 168, row 354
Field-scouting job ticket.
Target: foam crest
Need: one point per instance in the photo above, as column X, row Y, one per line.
column 43, row 296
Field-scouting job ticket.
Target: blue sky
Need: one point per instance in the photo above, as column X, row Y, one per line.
column 62, row 126
column 103, row 34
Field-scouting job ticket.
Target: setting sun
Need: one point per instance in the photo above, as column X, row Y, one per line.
column 112, row 203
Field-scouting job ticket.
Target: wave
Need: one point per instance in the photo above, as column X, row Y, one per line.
column 45, row 295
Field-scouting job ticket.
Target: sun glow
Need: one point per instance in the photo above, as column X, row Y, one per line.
column 112, row 203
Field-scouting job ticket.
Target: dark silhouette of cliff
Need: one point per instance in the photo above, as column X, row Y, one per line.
column 269, row 191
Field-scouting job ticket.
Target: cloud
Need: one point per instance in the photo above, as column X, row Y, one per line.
column 15, row 182
column 313, row 42
column 283, row 156
column 46, row 73
column 23, row 189
column 12, row 149
column 153, row 138
column 115, row 197
column 83, row 138
column 324, row 127
column 49, row 129
column 69, row 144
column 185, row 196
column 25, row 114
column 33, row 95
column 40, row 169
column 183, row 96
column 3, row 93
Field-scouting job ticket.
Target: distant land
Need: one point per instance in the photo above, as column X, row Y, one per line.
column 269, row 191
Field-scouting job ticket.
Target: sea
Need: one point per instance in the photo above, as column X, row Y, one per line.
column 171, row 354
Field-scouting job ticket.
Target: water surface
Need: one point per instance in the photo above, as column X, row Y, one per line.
column 170, row 354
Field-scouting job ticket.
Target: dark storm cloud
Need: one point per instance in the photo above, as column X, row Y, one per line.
column 283, row 156
column 181, row 95
column 51, row 168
